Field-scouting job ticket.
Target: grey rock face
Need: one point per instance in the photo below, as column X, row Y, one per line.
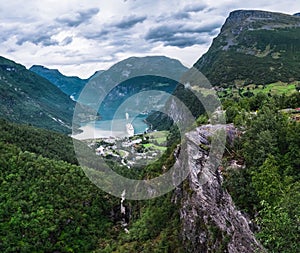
column 252, row 19
column 210, row 220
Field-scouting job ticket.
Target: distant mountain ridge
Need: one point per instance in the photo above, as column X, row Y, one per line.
column 96, row 74
column 71, row 85
column 130, row 77
column 126, row 78
column 254, row 47
column 25, row 97
column 128, row 68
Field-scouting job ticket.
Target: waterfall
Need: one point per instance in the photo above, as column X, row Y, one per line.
column 123, row 209
column 123, row 212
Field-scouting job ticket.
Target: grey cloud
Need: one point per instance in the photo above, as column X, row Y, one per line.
column 96, row 35
column 37, row 38
column 161, row 33
column 6, row 33
column 68, row 40
column 182, row 15
column 115, row 29
column 46, row 42
column 180, row 35
column 130, row 21
column 214, row 32
column 183, row 41
column 11, row 50
column 37, row 34
column 207, row 28
column 195, row 7
column 78, row 18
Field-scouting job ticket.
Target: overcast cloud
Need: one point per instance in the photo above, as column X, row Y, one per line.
column 79, row 37
column 78, row 18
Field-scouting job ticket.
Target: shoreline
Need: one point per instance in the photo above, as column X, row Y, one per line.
column 108, row 129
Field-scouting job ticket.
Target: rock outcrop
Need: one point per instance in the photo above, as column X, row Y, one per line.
column 210, row 220
column 253, row 46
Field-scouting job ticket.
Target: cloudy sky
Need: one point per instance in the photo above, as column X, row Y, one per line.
column 79, row 37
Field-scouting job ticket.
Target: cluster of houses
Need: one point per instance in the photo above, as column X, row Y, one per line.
column 294, row 113
column 129, row 151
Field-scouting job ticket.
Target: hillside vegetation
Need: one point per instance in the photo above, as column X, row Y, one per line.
column 268, row 186
column 71, row 85
column 49, row 205
column 28, row 98
column 254, row 47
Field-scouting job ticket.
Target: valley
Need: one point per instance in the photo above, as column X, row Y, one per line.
column 204, row 159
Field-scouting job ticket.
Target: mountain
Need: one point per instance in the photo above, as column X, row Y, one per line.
column 71, row 85
column 256, row 47
column 130, row 77
column 25, row 97
column 137, row 66
column 96, row 74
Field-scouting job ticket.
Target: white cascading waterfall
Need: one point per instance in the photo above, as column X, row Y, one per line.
column 123, row 212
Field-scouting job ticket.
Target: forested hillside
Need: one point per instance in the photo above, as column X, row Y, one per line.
column 267, row 187
column 48, row 205
column 71, row 85
column 27, row 98
column 254, row 47
column 42, row 142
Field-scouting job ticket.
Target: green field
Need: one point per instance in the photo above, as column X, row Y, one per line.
column 160, row 136
column 157, row 140
column 155, row 147
column 278, row 88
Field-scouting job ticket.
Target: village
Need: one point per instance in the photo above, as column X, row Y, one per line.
column 132, row 151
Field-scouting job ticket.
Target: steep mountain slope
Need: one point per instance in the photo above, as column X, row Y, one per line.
column 25, row 97
column 96, row 74
column 71, row 85
column 42, row 142
column 130, row 77
column 48, row 205
column 136, row 66
column 137, row 103
column 254, row 47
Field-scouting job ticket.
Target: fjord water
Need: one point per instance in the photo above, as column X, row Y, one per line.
column 111, row 128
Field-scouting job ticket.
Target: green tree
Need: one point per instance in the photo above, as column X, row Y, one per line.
column 267, row 181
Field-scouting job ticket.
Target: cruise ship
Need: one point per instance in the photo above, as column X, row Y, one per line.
column 130, row 129
column 129, row 126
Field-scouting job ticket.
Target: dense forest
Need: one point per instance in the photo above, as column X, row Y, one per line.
column 49, row 205
column 268, row 186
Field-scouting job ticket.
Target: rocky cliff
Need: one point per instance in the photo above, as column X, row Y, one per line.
column 254, row 47
column 210, row 220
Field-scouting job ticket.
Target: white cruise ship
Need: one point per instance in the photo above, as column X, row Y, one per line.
column 130, row 129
